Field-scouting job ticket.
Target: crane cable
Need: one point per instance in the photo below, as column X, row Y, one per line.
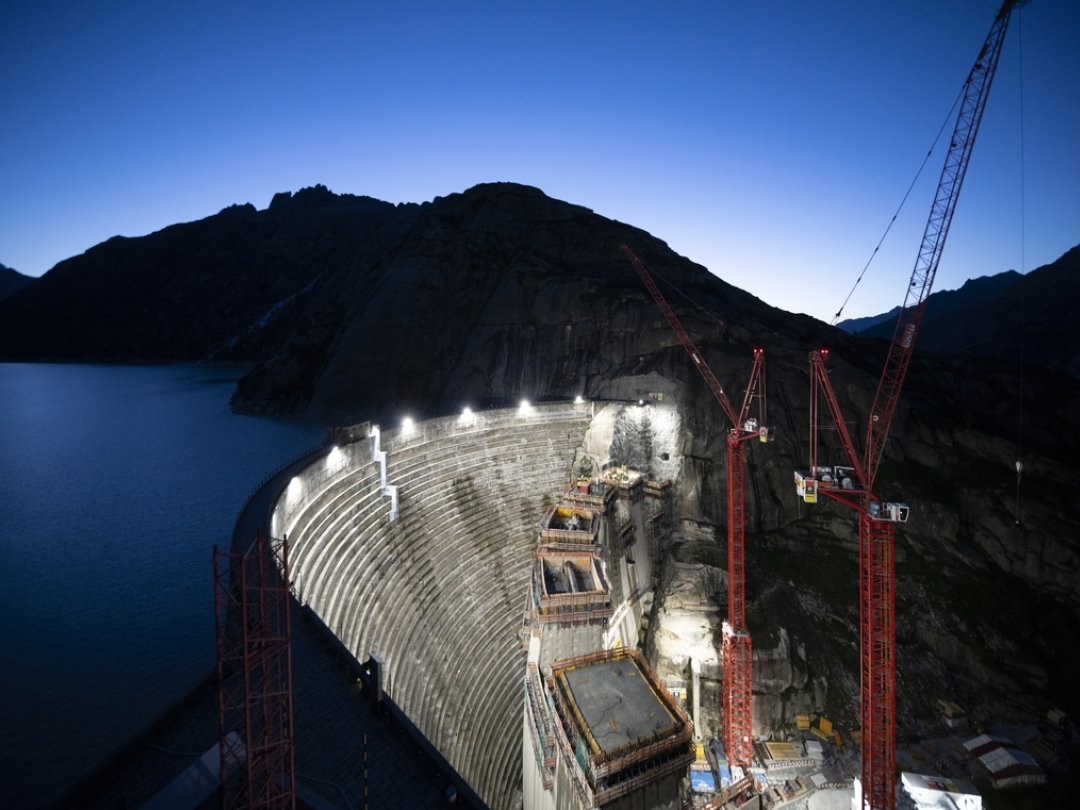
column 899, row 208
column 678, row 291
column 1023, row 265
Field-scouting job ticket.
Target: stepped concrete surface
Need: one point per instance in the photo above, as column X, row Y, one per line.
column 436, row 590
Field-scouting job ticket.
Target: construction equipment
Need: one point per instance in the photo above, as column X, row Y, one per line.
column 736, row 645
column 852, row 483
column 254, row 667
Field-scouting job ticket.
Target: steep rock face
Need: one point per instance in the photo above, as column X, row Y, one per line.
column 354, row 309
column 988, row 565
column 497, row 294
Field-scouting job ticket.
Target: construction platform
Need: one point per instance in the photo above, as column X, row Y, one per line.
column 618, row 706
column 613, row 709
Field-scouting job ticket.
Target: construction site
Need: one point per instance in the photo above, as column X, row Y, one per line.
column 506, row 607
column 496, row 574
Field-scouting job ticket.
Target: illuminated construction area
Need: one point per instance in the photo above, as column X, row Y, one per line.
column 600, row 728
column 621, row 738
column 498, row 571
column 418, row 547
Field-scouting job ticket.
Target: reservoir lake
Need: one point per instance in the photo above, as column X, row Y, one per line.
column 116, row 482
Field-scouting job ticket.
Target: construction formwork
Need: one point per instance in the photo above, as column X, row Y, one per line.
column 617, row 728
column 585, row 596
column 594, row 495
column 629, row 483
column 569, row 524
column 254, row 667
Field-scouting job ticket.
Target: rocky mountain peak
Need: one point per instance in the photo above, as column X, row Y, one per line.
column 351, row 309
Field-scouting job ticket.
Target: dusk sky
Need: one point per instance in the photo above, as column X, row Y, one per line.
column 769, row 141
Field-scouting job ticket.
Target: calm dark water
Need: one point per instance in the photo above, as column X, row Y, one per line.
column 115, row 484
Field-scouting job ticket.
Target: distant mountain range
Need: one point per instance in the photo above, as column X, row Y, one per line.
column 856, row 326
column 1010, row 316
column 11, row 281
column 274, row 289
column 347, row 308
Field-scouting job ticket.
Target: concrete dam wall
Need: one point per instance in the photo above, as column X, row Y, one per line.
column 438, row 592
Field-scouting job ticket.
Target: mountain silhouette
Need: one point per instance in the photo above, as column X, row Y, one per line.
column 347, row 308
column 1019, row 318
column 11, row 281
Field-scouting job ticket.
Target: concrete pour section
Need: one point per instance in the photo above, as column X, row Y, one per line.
column 617, row 704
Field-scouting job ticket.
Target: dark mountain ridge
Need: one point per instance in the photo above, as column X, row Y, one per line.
column 1018, row 318
column 353, row 309
column 11, row 281
column 854, row 326
column 196, row 291
column 943, row 303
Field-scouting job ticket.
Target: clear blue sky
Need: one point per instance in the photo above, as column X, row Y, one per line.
column 769, row 141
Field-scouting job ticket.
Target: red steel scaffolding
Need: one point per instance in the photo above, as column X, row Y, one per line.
column 255, row 676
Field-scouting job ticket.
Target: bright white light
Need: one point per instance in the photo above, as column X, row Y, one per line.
column 525, row 408
column 296, row 486
column 467, row 416
column 407, row 426
column 335, row 457
column 579, row 400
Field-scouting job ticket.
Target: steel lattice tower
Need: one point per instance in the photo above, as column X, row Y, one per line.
column 255, row 676
column 736, row 646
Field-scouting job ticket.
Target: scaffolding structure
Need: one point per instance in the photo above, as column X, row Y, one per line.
column 254, row 665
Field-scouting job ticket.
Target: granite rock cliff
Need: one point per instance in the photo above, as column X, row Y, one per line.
column 352, row 309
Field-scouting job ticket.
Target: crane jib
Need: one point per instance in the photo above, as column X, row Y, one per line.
column 851, row 484
column 973, row 104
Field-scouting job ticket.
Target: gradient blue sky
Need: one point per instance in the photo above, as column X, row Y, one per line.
column 769, row 141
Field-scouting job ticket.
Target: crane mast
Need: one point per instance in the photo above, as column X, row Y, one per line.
column 736, row 644
column 852, row 484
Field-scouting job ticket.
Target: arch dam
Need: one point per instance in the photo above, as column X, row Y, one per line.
column 417, row 545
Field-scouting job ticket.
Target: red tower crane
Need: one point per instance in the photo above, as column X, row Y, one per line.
column 736, row 646
column 853, row 484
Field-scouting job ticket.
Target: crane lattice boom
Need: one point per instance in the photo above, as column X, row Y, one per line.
column 735, row 643
column 852, row 484
column 972, row 105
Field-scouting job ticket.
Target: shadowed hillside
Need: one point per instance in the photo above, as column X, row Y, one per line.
column 226, row 288
column 352, row 309
column 11, row 281
column 1009, row 316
